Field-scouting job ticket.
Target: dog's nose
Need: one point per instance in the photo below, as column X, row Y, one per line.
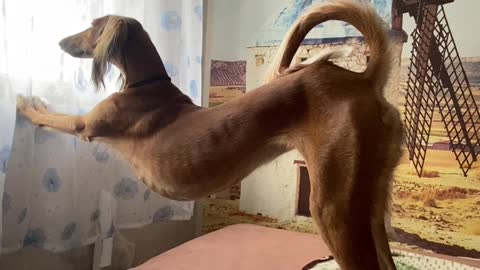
column 61, row 43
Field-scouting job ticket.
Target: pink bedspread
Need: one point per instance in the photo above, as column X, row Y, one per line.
column 246, row 247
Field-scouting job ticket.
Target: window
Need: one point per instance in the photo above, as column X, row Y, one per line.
column 259, row 59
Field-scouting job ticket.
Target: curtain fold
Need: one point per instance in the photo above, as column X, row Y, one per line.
column 51, row 183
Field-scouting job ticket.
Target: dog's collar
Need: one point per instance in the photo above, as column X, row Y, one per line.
column 162, row 77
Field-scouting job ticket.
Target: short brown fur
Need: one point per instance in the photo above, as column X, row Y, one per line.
column 349, row 135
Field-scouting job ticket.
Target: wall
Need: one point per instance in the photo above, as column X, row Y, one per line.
column 439, row 211
column 258, row 61
column 232, row 23
column 272, row 189
column 229, row 26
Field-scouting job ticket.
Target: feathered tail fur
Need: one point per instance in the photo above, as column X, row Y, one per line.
column 360, row 15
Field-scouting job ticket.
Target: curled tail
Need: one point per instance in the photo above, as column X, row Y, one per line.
column 361, row 16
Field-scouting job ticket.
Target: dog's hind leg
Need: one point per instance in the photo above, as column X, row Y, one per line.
column 340, row 201
column 381, row 243
column 379, row 230
column 346, row 233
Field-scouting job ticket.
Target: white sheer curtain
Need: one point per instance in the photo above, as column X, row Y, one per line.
column 58, row 192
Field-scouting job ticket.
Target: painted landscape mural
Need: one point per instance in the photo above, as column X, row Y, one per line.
column 439, row 211
column 227, row 81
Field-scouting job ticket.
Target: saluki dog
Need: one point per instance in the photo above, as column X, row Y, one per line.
column 349, row 135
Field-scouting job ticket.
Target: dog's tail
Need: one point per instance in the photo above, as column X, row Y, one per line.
column 361, row 16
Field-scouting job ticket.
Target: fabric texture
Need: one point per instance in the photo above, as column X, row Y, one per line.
column 408, row 261
column 56, row 191
column 253, row 247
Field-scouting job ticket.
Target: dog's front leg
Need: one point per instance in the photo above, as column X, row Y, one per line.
column 37, row 113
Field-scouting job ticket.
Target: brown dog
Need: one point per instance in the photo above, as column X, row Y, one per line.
column 349, row 135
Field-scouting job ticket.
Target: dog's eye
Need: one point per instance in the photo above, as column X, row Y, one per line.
column 97, row 34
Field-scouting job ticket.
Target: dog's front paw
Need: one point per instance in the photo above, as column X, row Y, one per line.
column 25, row 108
column 22, row 103
column 39, row 104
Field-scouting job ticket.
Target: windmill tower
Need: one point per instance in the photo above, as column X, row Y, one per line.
column 437, row 79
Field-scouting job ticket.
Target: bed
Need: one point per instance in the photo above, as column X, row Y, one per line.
column 252, row 247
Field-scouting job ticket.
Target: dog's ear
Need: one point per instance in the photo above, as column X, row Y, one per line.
column 109, row 46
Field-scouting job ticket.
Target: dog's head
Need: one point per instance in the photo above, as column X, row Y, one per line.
column 104, row 41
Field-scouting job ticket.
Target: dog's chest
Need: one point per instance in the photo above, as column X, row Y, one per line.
column 164, row 186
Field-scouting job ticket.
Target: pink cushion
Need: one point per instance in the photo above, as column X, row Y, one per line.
column 242, row 247
column 250, row 247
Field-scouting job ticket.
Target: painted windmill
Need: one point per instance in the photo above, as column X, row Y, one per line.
column 437, row 79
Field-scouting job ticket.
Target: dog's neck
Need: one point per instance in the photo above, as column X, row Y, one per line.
column 141, row 60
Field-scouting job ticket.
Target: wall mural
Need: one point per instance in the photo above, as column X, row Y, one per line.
column 438, row 211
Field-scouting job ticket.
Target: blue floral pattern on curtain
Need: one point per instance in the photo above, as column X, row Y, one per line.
column 56, row 191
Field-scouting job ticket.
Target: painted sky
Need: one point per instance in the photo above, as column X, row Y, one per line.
column 232, row 24
column 462, row 16
column 273, row 30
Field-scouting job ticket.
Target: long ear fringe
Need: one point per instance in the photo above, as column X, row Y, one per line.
column 109, row 47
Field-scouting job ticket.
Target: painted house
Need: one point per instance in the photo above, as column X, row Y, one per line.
column 286, row 178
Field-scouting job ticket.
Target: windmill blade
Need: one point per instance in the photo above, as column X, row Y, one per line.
column 437, row 78
column 420, row 97
column 455, row 101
